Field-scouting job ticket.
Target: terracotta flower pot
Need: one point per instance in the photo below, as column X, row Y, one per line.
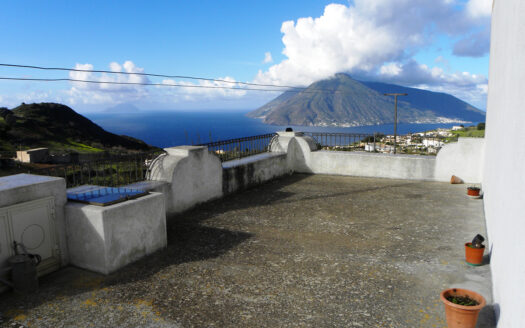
column 474, row 256
column 473, row 191
column 461, row 316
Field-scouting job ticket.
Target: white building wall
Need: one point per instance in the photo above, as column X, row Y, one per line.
column 503, row 179
column 463, row 159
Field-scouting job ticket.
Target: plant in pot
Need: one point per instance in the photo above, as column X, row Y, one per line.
column 462, row 307
column 474, row 251
column 473, row 191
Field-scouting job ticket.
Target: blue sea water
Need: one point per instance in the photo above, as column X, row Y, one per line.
column 167, row 129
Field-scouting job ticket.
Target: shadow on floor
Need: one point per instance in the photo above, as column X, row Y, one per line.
column 188, row 241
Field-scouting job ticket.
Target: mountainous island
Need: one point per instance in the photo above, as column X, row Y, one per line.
column 59, row 127
column 344, row 102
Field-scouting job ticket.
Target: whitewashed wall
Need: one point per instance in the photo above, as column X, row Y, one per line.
column 503, row 178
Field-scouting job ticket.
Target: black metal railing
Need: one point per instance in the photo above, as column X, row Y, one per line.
column 111, row 172
column 340, row 141
column 416, row 143
column 231, row 149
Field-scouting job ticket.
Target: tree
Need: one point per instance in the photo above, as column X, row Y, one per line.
column 371, row 138
column 481, row 126
column 10, row 119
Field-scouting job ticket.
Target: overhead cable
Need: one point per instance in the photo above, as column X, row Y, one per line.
column 147, row 74
column 155, row 84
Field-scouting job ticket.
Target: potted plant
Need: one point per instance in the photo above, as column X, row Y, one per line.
column 473, row 191
column 462, row 307
column 474, row 251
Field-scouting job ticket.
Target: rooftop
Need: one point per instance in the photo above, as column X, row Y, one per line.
column 303, row 250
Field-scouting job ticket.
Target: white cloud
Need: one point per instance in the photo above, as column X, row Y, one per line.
column 479, row 8
column 203, row 90
column 267, row 58
column 104, row 92
column 356, row 37
column 377, row 39
column 107, row 93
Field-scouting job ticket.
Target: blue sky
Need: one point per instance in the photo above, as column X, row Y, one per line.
column 439, row 45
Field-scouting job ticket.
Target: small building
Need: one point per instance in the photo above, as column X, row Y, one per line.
column 457, row 127
column 36, row 155
column 370, row 147
column 432, row 143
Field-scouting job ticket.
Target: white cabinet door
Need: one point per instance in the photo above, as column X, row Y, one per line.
column 33, row 224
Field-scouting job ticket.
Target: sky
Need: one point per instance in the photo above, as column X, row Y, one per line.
column 439, row 45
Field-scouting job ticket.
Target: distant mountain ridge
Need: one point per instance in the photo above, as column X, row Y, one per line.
column 59, row 127
column 343, row 101
column 122, row 108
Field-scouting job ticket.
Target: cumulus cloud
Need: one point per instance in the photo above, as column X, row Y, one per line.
column 267, row 58
column 170, row 91
column 105, row 91
column 377, row 40
column 358, row 37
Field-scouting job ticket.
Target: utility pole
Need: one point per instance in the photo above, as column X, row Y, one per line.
column 395, row 115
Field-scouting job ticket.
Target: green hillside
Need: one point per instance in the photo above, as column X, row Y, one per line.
column 58, row 127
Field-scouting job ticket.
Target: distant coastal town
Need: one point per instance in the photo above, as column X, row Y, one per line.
column 427, row 142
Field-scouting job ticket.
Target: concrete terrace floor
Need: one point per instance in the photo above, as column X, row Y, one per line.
column 301, row 251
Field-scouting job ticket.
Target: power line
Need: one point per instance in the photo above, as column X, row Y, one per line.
column 147, row 74
column 160, row 84
column 134, row 83
column 163, row 84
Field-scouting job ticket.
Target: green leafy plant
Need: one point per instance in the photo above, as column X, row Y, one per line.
column 462, row 300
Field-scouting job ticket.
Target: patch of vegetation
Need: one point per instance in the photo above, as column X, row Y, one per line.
column 471, row 132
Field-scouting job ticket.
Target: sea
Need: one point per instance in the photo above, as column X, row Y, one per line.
column 174, row 128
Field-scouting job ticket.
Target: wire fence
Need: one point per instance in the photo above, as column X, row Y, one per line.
column 231, row 149
column 417, row 143
column 115, row 170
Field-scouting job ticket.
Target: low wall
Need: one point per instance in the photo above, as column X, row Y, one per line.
column 244, row 173
column 189, row 175
column 192, row 175
column 411, row 167
column 463, row 159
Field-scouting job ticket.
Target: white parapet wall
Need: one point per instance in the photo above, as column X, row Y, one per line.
column 194, row 175
column 106, row 238
column 464, row 159
column 372, row 165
